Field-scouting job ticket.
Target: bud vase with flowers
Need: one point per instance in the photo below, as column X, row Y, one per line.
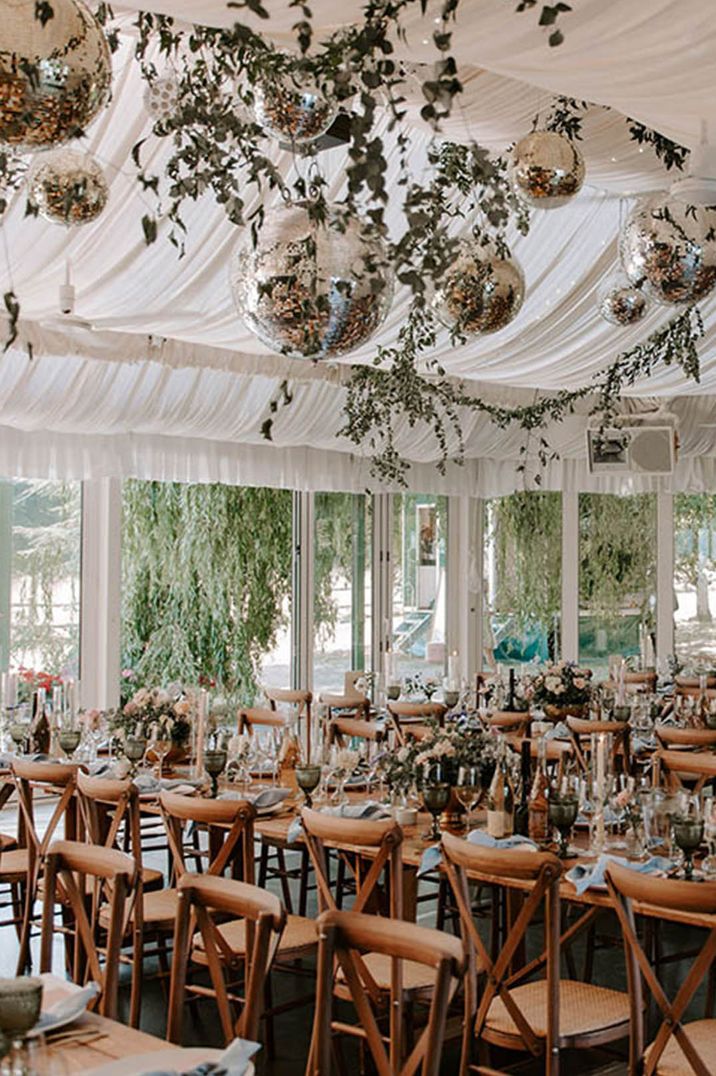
column 562, row 690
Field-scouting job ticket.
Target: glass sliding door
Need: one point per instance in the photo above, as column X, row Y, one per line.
column 695, row 577
column 419, row 560
column 341, row 588
column 523, row 579
column 617, row 579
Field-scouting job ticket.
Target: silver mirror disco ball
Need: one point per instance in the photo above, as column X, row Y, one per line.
column 620, row 303
column 293, row 109
column 68, row 187
column 480, row 293
column 669, row 249
column 312, row 291
column 546, row 169
column 55, row 78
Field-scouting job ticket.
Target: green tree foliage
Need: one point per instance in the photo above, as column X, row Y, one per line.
column 617, row 552
column 527, row 532
column 206, row 574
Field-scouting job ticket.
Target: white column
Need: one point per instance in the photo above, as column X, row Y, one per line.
column 464, row 582
column 381, row 580
column 664, row 574
column 100, row 592
column 302, row 593
column 570, row 576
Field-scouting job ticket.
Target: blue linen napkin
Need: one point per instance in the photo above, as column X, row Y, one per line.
column 431, row 856
column 370, row 809
column 558, row 732
column 592, row 876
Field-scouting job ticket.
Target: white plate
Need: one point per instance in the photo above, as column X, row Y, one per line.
column 74, row 1004
column 173, row 1059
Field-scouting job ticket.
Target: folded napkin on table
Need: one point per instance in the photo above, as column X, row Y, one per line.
column 592, row 876
column 146, row 782
column 639, row 744
column 558, row 732
column 369, row 810
column 233, row 1062
column 66, row 1009
column 431, row 856
column 267, row 797
column 7, row 758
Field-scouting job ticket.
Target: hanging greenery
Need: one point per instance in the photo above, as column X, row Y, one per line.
column 617, row 553
column 526, row 532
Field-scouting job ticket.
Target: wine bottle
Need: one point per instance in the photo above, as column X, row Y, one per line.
column 538, row 810
column 522, row 809
column 511, row 691
column 500, row 800
column 40, row 726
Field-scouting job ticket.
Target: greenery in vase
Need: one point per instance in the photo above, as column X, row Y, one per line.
column 563, row 684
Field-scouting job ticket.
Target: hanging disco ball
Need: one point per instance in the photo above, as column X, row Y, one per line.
column 480, row 292
column 312, row 291
column 68, row 187
column 13, row 172
column 55, row 78
column 293, row 109
column 546, row 169
column 670, row 250
column 161, row 97
column 620, row 303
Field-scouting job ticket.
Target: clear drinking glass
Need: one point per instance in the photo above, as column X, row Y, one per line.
column 468, row 789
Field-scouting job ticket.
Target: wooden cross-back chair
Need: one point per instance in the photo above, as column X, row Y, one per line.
column 201, row 899
column 409, row 718
column 679, row 1048
column 372, row 851
column 689, row 770
column 68, row 866
column 345, row 940
column 514, row 1010
column 514, row 724
column 357, row 706
column 56, row 779
column 252, row 717
column 301, row 701
column 582, row 729
column 668, row 736
column 636, row 682
column 340, row 730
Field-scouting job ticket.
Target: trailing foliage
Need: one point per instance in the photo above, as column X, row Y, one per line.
column 526, row 529
column 617, row 552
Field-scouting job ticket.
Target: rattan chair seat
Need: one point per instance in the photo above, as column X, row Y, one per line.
column 159, row 909
column 299, row 935
column 415, row 976
column 13, row 865
column 583, row 1009
column 673, row 1061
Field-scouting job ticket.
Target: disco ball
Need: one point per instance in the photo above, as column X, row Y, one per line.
column 161, row 97
column 622, row 304
column 55, row 78
column 13, row 171
column 546, row 169
column 670, row 250
column 480, row 293
column 293, row 109
column 312, row 291
column 68, row 187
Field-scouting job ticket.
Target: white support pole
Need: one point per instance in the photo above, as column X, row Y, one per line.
column 381, row 580
column 664, row 575
column 464, row 590
column 302, row 594
column 570, row 576
column 100, row 592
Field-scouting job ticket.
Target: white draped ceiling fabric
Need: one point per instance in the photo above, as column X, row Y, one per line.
column 159, row 378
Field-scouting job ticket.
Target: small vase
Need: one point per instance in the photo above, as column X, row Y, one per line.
column 635, row 844
column 452, row 819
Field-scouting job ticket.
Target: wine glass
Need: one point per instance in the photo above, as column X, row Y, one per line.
column 308, row 778
column 20, row 1002
column 563, row 808
column 134, row 750
column 214, row 763
column 709, row 864
column 69, row 740
column 436, row 796
column 468, row 789
column 688, row 826
column 19, row 734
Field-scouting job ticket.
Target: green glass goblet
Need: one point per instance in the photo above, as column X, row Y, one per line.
column 134, row 750
column 308, row 778
column 69, row 742
column 562, row 813
column 436, row 798
column 20, row 1003
column 688, row 834
column 393, row 692
column 214, row 764
column 19, row 734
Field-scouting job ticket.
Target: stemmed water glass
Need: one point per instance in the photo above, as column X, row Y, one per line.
column 688, row 827
column 161, row 749
column 709, row 864
column 436, row 796
column 468, row 789
column 563, row 808
column 308, row 778
column 69, row 740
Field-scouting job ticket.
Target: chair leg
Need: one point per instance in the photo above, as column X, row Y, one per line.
column 285, row 887
column 303, row 882
column 263, row 866
column 24, row 959
column 340, row 881
column 268, row 1017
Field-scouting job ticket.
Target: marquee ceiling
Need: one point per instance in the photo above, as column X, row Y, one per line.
column 167, row 353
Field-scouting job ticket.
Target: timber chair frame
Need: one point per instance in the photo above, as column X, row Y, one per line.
column 200, row 895
column 302, row 700
column 539, row 875
column 57, row 778
column 624, row 887
column 66, row 866
column 408, row 718
column 581, row 729
column 341, row 729
column 263, row 716
column 343, row 936
column 507, row 721
column 672, row 765
column 230, row 824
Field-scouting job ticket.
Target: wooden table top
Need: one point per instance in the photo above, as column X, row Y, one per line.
column 112, row 1042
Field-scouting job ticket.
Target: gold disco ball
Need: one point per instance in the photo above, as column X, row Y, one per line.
column 480, row 292
column 669, row 249
column 546, row 169
column 620, row 303
column 68, row 187
column 293, row 109
column 55, row 78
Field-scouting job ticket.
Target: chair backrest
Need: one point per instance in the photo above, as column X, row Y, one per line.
column 582, row 729
column 301, row 702
column 671, row 766
column 507, row 721
column 56, row 778
column 673, row 736
column 692, row 683
column 343, row 938
column 106, row 805
column 465, row 862
column 67, row 865
column 260, row 717
column 636, row 682
column 408, row 718
column 345, row 705
column 625, row 887
column 205, row 899
column 231, row 832
column 340, row 729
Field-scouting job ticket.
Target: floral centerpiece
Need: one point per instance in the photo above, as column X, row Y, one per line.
column 562, row 689
column 418, row 684
column 154, row 714
column 456, row 745
column 29, row 680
